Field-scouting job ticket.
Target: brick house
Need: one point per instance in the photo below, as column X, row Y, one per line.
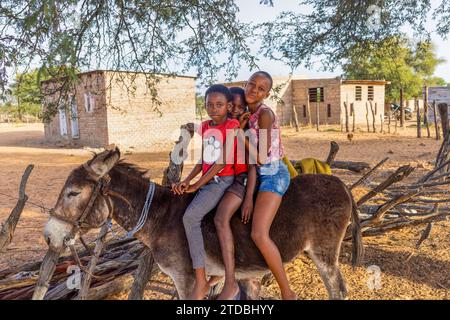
column 102, row 110
column 294, row 92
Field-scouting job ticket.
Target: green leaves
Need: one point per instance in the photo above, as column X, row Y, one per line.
column 395, row 59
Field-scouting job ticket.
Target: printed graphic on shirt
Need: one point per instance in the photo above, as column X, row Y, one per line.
column 212, row 149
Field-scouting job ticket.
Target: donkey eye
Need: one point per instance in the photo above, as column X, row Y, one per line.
column 73, row 194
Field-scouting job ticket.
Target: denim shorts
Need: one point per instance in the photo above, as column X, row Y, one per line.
column 274, row 177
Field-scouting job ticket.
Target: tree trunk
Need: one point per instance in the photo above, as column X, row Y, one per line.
column 8, row 229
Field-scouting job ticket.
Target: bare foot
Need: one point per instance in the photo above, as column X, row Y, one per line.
column 200, row 291
column 214, row 280
column 229, row 292
column 290, row 296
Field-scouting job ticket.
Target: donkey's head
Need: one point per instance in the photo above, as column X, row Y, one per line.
column 82, row 200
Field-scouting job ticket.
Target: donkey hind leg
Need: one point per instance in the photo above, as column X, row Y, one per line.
column 329, row 271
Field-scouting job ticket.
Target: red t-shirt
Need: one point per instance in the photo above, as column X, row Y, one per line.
column 214, row 140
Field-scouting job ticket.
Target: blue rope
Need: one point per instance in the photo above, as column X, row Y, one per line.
column 144, row 214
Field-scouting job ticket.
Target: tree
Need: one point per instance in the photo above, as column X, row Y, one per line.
column 158, row 36
column 200, row 109
column 26, row 93
column 203, row 37
column 328, row 30
column 408, row 66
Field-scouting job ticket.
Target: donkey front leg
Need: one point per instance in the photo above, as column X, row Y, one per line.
column 182, row 277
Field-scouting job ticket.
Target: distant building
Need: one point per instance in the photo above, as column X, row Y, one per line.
column 301, row 93
column 437, row 95
column 101, row 110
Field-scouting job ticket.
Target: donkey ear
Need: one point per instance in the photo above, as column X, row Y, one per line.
column 105, row 161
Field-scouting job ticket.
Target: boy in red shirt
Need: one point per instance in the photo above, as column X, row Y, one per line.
column 217, row 175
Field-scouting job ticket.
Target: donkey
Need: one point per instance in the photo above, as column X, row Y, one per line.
column 313, row 217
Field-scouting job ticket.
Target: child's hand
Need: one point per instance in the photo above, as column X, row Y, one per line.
column 191, row 188
column 243, row 119
column 246, row 210
column 180, row 188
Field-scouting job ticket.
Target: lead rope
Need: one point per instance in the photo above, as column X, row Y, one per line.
column 144, row 214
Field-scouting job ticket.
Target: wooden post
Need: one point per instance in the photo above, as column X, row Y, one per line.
column 443, row 113
column 367, row 117
column 381, row 122
column 142, row 275
column 373, row 117
column 389, row 121
column 308, row 108
column 352, row 110
column 9, row 227
column 402, row 111
column 425, row 111
column 346, row 117
column 436, row 123
column 294, row 115
column 87, row 276
column 396, row 121
column 317, row 108
column 419, row 123
column 172, row 174
column 334, row 148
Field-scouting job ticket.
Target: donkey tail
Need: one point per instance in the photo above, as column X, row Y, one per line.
column 357, row 245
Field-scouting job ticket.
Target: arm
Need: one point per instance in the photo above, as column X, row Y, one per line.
column 265, row 122
column 180, row 188
column 215, row 169
column 247, row 205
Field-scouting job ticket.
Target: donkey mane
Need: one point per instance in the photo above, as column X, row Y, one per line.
column 131, row 169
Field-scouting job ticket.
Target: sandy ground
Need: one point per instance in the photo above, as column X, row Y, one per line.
column 405, row 273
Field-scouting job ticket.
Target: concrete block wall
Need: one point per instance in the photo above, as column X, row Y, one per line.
column 135, row 121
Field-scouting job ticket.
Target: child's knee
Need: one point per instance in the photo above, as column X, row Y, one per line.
column 221, row 221
column 190, row 220
column 259, row 237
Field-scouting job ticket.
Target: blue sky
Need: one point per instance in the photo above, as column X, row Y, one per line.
column 252, row 11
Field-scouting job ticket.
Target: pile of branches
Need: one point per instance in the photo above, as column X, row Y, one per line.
column 390, row 205
column 113, row 273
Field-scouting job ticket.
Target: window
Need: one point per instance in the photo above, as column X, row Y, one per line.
column 313, row 92
column 329, row 110
column 370, row 93
column 358, row 93
column 89, row 101
column 304, row 111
